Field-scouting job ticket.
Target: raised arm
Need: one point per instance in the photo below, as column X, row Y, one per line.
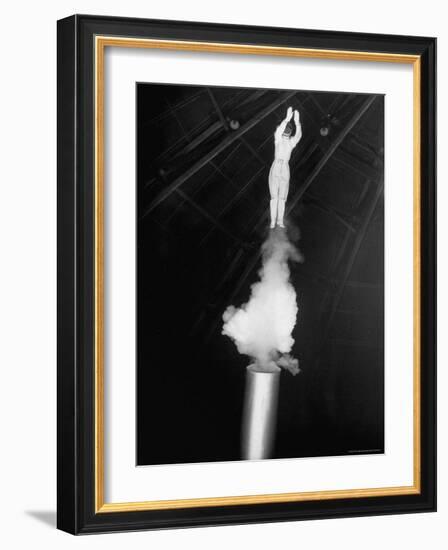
column 281, row 127
column 297, row 136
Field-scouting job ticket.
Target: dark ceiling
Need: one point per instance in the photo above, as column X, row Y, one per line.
column 204, row 155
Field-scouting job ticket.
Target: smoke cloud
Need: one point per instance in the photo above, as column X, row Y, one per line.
column 262, row 327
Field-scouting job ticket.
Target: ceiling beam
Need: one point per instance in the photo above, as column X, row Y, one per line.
column 329, row 315
column 228, row 140
column 218, row 109
column 208, row 132
column 321, row 205
column 234, row 200
column 202, row 183
column 366, row 104
column 356, row 165
column 182, row 103
column 208, row 216
column 308, row 181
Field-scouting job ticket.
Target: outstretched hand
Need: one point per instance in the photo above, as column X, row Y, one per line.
column 298, row 135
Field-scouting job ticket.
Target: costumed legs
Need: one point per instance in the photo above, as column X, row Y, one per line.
column 278, row 188
column 282, row 196
column 274, row 209
column 274, row 185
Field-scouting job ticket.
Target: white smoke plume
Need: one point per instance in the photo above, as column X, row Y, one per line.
column 262, row 327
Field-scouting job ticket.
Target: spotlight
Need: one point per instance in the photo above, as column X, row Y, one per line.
column 328, row 124
column 325, row 125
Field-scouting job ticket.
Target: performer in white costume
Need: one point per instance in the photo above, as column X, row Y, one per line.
column 279, row 173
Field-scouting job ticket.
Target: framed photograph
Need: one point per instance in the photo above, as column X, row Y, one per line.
column 246, row 274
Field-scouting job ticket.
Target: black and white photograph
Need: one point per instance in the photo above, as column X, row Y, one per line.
column 220, row 312
column 260, row 273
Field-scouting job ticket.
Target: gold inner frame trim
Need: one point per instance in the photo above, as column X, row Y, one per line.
column 101, row 42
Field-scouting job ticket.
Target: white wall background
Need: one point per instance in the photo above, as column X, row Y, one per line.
column 28, row 274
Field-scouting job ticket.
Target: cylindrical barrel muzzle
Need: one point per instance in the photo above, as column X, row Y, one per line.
column 260, row 413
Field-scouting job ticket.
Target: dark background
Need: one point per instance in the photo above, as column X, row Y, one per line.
column 203, row 160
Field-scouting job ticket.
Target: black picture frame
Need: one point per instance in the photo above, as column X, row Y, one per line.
column 77, row 511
